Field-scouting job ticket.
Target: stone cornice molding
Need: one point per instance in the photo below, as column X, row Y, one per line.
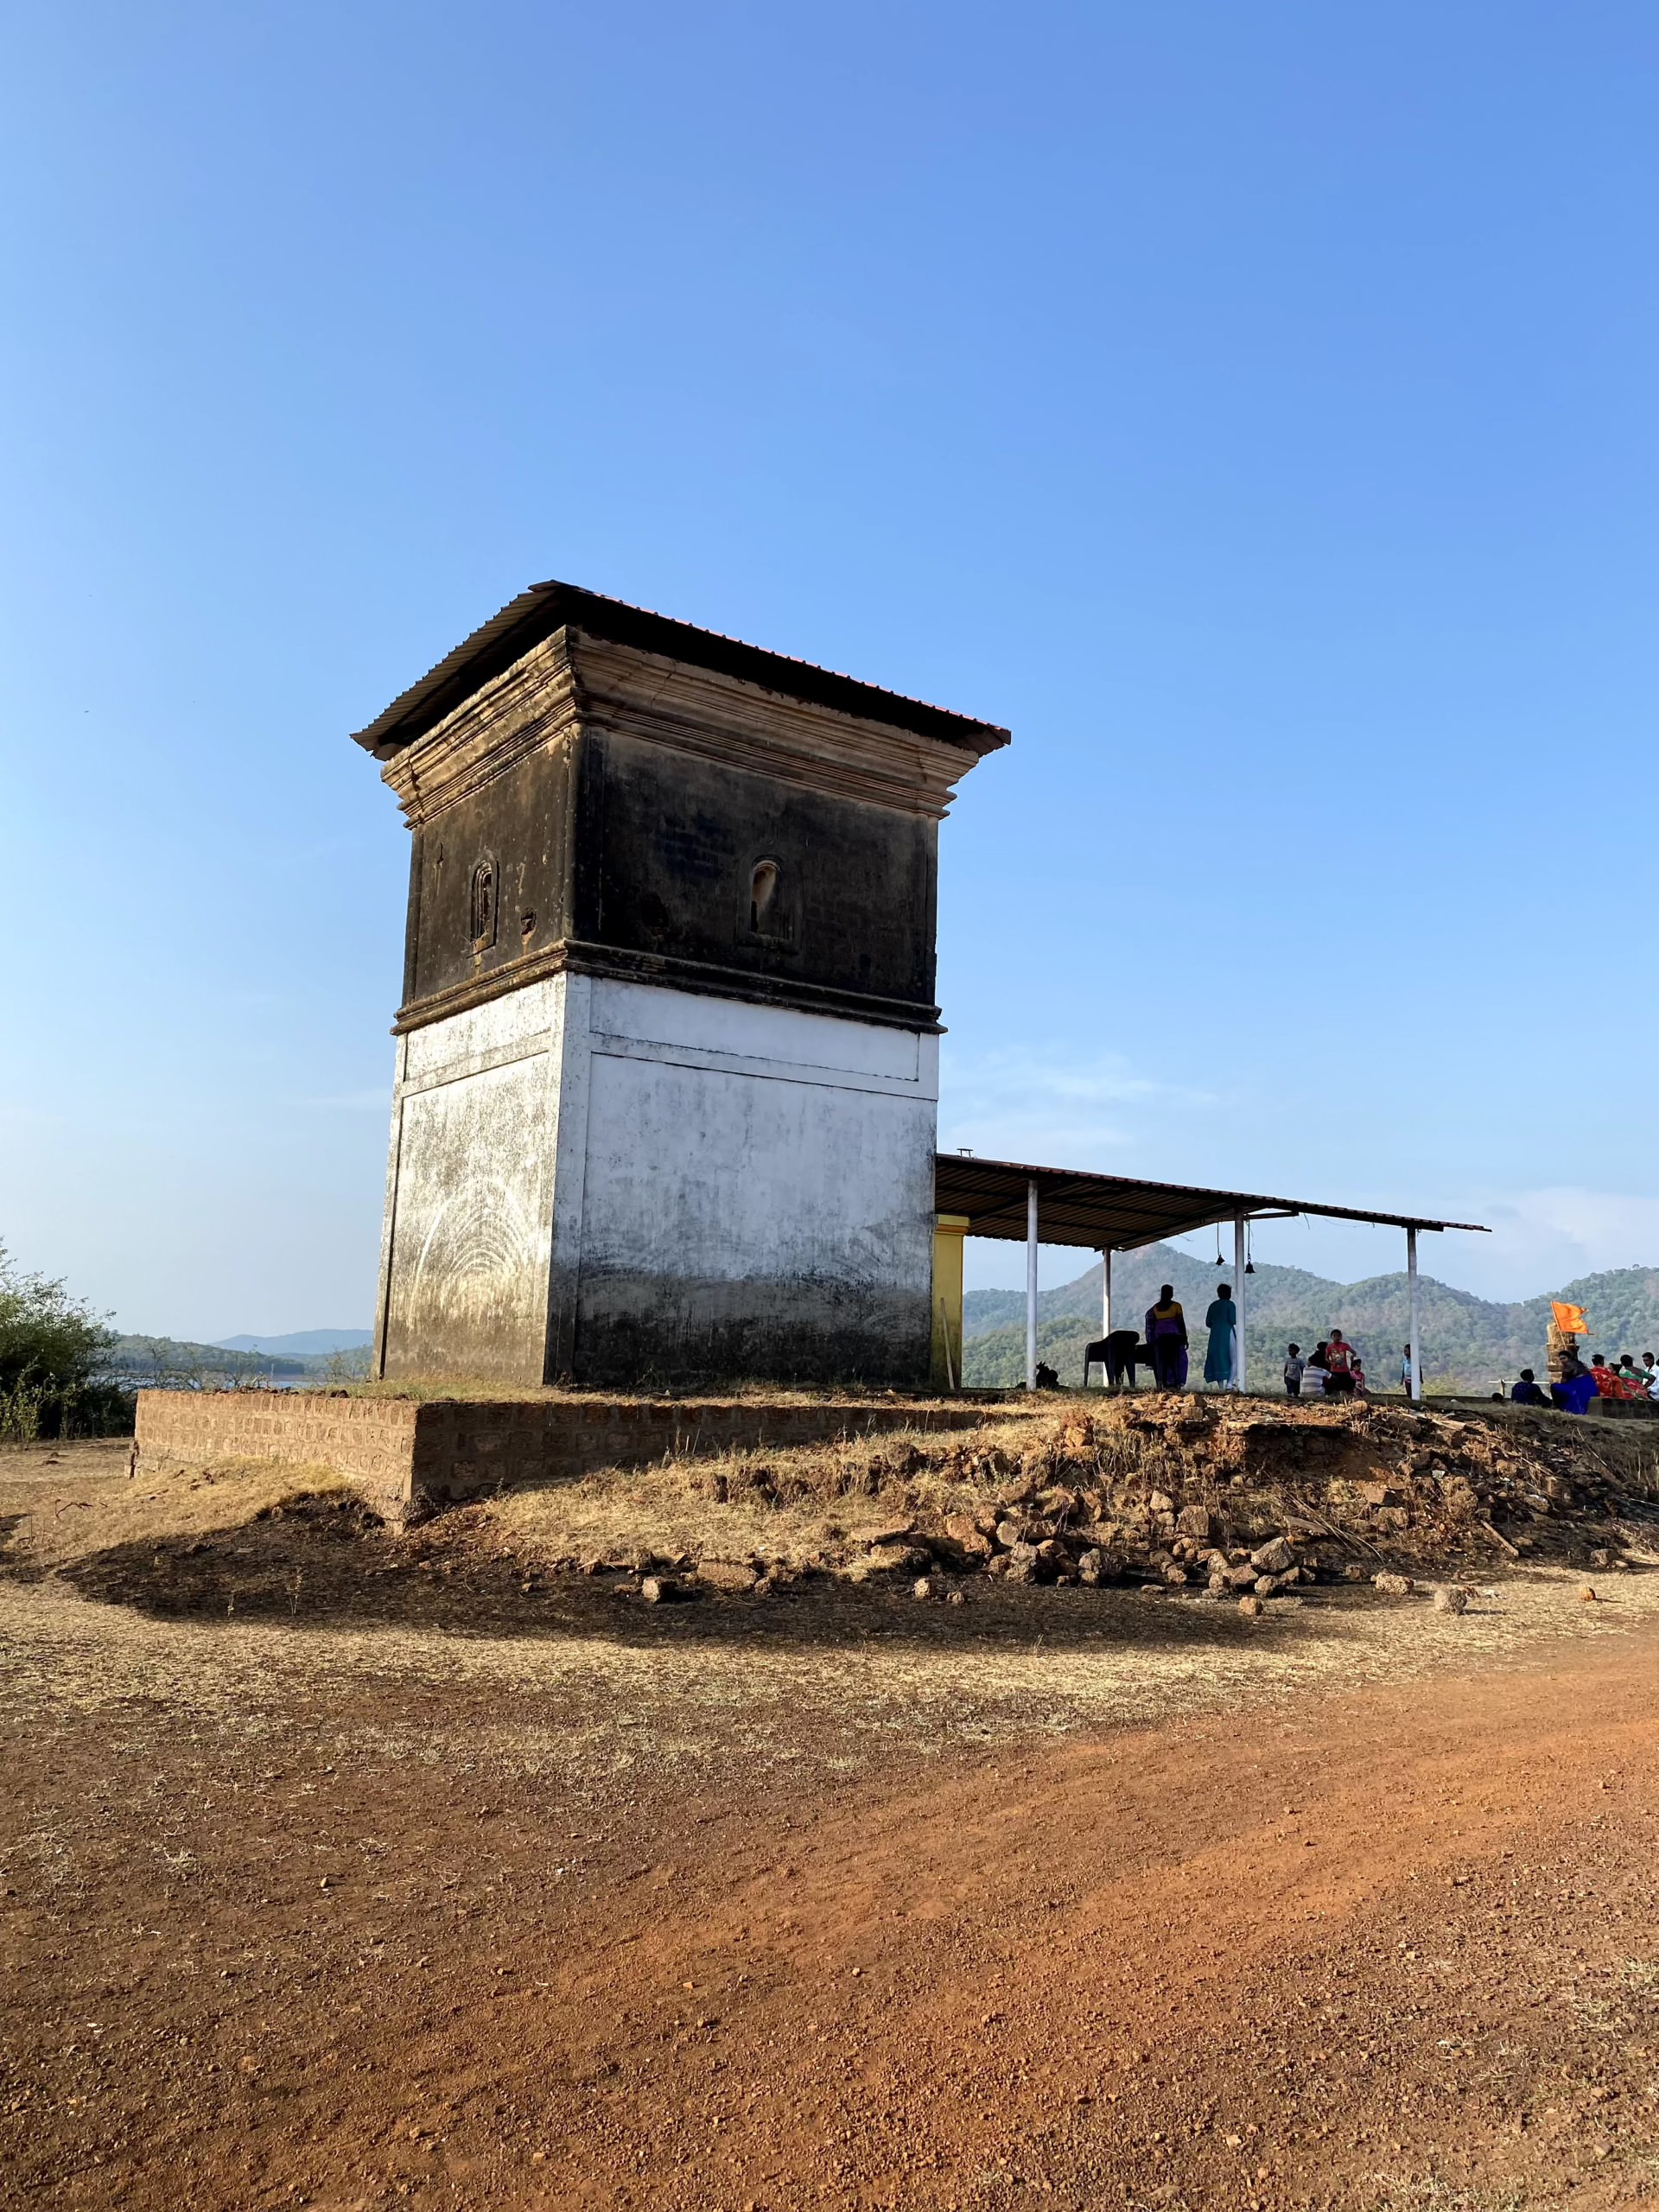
column 570, row 683
column 532, row 707
column 573, row 956
column 716, row 717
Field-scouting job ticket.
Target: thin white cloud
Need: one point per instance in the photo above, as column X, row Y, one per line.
column 1013, row 1105
column 1539, row 1241
column 1543, row 1238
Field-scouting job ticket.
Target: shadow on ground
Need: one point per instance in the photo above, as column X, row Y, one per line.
column 324, row 1563
column 15, row 1563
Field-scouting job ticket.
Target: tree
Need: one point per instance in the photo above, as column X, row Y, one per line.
column 51, row 1345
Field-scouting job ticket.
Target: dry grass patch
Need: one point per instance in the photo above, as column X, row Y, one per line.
column 57, row 1514
column 601, row 1708
column 570, row 1677
column 807, row 1505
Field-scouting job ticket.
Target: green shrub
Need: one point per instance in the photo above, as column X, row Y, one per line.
column 51, row 1348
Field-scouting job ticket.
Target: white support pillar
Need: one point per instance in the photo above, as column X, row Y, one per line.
column 1241, row 1254
column 1106, row 1292
column 1414, row 1387
column 1031, row 1284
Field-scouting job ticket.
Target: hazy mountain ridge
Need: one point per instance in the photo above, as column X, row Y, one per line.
column 1470, row 1341
column 134, row 1360
column 300, row 1344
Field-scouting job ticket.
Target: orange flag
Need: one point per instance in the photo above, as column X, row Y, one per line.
column 1569, row 1320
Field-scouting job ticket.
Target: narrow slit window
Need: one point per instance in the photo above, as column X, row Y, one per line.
column 482, row 915
column 763, row 899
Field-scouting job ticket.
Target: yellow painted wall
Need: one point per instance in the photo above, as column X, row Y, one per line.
column 948, row 1231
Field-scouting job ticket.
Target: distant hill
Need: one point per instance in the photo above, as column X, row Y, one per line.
column 174, row 1362
column 301, row 1342
column 1469, row 1343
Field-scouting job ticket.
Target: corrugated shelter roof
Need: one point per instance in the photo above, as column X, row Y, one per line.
column 535, row 614
column 1100, row 1210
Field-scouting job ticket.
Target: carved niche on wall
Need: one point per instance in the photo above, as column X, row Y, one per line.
column 769, row 909
column 482, row 904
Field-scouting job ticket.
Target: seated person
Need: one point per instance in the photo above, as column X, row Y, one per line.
column 1609, row 1383
column 1576, row 1390
column 1627, row 1384
column 1526, row 1391
column 1315, row 1372
column 1649, row 1375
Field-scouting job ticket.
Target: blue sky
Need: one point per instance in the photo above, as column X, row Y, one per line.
column 1251, row 407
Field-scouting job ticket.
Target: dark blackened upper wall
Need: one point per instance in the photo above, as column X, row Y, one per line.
column 671, row 848
column 598, row 808
column 517, row 827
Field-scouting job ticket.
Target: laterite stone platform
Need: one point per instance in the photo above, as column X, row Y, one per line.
column 408, row 1456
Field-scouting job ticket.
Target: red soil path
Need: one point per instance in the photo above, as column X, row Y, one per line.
column 1394, row 1948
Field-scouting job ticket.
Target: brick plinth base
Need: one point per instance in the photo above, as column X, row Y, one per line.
column 407, row 1456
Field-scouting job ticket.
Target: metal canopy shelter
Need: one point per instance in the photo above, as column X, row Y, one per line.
column 1116, row 1213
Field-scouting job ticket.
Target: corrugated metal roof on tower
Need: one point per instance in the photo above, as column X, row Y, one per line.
column 535, row 614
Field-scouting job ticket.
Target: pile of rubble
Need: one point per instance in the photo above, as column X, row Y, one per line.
column 1249, row 1503
column 1172, row 1546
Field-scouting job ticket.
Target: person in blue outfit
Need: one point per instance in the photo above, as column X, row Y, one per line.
column 1222, row 1321
column 1576, row 1390
column 1526, row 1391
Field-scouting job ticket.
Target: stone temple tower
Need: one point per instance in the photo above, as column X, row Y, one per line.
column 667, row 1055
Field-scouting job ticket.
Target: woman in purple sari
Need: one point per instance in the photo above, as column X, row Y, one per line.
column 1165, row 1327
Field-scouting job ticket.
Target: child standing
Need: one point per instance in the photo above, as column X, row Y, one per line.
column 1294, row 1366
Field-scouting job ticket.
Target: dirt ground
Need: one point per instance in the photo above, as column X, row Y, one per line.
column 352, row 1871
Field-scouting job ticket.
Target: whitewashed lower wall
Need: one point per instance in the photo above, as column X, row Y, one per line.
column 628, row 1183
column 464, row 1262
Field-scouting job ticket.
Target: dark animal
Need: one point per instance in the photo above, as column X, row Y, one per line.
column 1119, row 1354
column 1046, row 1379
